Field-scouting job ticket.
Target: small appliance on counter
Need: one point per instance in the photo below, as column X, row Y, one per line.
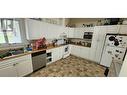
column 61, row 41
column 29, row 48
column 57, row 42
column 54, row 42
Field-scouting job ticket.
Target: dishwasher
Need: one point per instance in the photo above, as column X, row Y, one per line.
column 38, row 60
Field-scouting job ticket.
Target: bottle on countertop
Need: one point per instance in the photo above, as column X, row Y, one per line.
column 29, row 48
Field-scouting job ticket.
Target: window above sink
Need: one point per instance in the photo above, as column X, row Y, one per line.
column 9, row 31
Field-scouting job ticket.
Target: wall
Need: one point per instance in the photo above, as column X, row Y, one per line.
column 66, row 21
column 79, row 21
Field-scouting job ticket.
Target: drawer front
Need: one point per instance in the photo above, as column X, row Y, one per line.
column 14, row 60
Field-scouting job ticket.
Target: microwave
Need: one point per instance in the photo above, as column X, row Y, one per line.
column 88, row 35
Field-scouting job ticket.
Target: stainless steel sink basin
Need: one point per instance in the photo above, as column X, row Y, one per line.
column 11, row 52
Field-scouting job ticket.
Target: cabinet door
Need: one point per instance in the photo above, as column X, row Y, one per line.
column 24, row 65
column 71, row 32
column 55, row 54
column 94, row 43
column 24, row 68
column 34, row 29
column 123, row 29
column 84, row 52
column 8, row 71
column 75, row 50
column 61, row 52
column 112, row 29
column 78, row 33
column 100, row 43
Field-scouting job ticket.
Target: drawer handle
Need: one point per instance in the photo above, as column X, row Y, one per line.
column 15, row 64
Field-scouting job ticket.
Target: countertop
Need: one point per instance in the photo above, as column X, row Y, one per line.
column 28, row 52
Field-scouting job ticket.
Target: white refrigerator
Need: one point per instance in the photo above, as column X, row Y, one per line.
column 114, row 49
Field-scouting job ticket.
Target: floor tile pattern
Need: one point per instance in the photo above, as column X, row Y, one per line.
column 71, row 66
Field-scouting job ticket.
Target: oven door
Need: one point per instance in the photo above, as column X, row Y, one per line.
column 66, row 51
column 88, row 35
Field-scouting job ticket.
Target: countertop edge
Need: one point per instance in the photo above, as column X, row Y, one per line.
column 29, row 52
column 34, row 51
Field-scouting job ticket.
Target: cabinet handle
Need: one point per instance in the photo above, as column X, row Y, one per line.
column 15, row 64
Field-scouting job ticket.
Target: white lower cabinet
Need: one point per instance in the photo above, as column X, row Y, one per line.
column 20, row 66
column 24, row 68
column 80, row 51
column 85, row 52
column 9, row 71
column 59, row 53
column 75, row 50
column 56, row 54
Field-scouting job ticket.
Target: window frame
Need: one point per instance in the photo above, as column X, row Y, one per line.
column 11, row 45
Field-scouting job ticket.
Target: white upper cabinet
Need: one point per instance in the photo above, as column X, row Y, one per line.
column 34, row 29
column 88, row 29
column 78, row 32
column 123, row 29
column 71, row 32
column 112, row 28
column 37, row 29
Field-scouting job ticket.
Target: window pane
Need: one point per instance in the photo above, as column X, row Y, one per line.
column 9, row 24
column 0, row 25
column 14, row 36
column 2, row 40
column 10, row 36
column 3, row 24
